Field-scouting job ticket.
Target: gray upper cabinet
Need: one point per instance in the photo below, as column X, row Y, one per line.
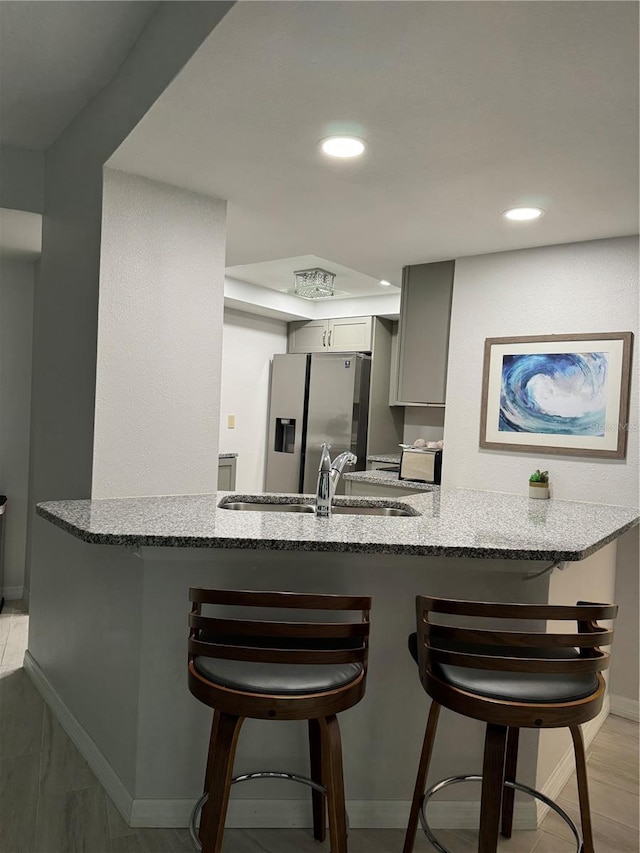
column 359, row 334
column 344, row 334
column 308, row 336
column 423, row 334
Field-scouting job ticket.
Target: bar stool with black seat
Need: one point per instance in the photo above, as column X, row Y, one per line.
column 274, row 670
column 510, row 680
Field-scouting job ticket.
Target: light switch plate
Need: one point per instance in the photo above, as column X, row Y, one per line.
column 231, row 421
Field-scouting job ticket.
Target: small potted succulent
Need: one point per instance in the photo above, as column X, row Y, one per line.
column 539, row 485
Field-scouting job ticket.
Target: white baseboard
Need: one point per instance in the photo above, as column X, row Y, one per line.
column 12, row 593
column 263, row 813
column 627, row 708
column 567, row 765
column 107, row 776
column 245, row 813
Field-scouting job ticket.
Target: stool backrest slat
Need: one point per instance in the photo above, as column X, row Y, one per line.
column 525, row 651
column 275, row 641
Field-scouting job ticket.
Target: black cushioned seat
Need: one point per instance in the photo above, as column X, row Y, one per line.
column 515, row 686
column 280, row 678
column 277, row 678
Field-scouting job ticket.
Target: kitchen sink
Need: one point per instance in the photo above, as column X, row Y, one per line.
column 248, row 506
column 340, row 509
column 370, row 510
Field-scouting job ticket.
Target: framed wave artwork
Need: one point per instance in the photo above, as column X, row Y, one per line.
column 564, row 394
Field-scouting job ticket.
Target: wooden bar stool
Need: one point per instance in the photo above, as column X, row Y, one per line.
column 273, row 670
column 510, row 680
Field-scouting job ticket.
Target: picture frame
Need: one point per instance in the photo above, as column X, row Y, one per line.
column 563, row 394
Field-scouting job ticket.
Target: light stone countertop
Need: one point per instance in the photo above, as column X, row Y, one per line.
column 455, row 523
column 387, row 478
column 386, row 458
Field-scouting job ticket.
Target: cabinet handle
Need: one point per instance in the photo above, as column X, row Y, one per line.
column 324, row 338
column 330, row 330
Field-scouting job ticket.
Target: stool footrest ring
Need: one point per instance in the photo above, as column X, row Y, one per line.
column 517, row 786
column 245, row 777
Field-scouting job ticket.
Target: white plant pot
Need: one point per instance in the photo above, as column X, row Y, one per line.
column 539, row 491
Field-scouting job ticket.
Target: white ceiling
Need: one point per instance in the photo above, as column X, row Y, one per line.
column 279, row 275
column 54, row 57
column 467, row 109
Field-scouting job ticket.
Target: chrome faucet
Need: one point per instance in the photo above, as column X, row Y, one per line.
column 328, row 475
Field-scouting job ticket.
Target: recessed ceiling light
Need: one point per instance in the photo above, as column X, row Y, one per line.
column 343, row 146
column 385, row 283
column 522, row 214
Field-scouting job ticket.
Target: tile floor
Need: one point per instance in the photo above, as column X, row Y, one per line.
column 50, row 801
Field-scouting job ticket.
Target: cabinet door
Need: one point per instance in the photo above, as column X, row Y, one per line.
column 308, row 336
column 349, row 334
column 226, row 474
column 360, row 489
column 423, row 335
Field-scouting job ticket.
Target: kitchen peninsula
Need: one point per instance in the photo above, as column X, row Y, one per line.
column 116, row 675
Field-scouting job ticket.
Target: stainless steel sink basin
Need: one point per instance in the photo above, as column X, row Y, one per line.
column 370, row 510
column 248, row 506
column 341, row 509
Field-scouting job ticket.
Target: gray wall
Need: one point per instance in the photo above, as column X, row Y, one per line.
column 84, row 634
column 21, row 179
column 625, row 672
column 64, row 371
column 66, row 310
column 16, row 323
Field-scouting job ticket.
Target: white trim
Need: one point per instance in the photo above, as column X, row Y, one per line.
column 245, row 813
column 262, row 813
column 363, row 814
column 12, row 593
column 566, row 766
column 107, row 776
column 627, row 708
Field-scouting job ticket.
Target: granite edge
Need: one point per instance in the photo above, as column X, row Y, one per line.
column 425, row 550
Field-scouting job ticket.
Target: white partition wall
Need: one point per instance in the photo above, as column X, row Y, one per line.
column 159, row 339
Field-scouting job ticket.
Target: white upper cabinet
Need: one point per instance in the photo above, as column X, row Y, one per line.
column 423, row 334
column 345, row 334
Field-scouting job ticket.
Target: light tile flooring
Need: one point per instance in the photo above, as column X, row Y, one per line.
column 50, row 801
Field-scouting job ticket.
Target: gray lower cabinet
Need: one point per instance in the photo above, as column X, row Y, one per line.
column 343, row 334
column 362, row 489
column 227, row 473
column 423, row 334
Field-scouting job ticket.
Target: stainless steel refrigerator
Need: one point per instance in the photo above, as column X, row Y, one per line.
column 314, row 399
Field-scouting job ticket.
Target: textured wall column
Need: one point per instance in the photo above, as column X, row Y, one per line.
column 159, row 339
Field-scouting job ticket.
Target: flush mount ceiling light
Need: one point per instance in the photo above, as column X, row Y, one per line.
column 342, row 146
column 385, row 283
column 314, row 283
column 522, row 214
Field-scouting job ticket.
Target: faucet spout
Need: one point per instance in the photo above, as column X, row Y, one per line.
column 328, row 476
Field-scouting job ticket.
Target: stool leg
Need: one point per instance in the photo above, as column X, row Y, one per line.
column 583, row 789
column 318, row 799
column 222, row 748
column 332, row 764
column 421, row 779
column 492, row 779
column 508, row 794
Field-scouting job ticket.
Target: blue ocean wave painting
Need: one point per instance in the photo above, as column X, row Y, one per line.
column 554, row 393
